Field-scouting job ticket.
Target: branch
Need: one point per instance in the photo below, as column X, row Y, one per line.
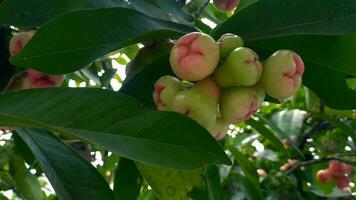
column 335, row 157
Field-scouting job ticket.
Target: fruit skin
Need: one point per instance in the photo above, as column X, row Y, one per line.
column 226, row 5
column 220, row 128
column 198, row 103
column 323, row 176
column 240, row 103
column 339, row 169
column 36, row 79
column 194, row 56
column 342, row 182
column 19, row 41
column 241, row 68
column 165, row 90
column 227, row 43
column 282, row 74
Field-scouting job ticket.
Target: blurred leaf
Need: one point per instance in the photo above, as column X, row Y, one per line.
column 289, row 121
column 125, row 126
column 25, row 182
column 346, row 129
column 212, row 181
column 128, row 180
column 97, row 33
column 260, row 127
column 248, row 188
column 169, row 183
column 334, row 17
column 71, row 176
column 280, row 133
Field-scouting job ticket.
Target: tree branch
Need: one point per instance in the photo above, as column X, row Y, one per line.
column 201, row 9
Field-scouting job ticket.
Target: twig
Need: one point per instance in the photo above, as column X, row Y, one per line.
column 201, row 9
column 335, row 157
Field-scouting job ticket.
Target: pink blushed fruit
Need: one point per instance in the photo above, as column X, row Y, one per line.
column 323, row 176
column 38, row 79
column 226, row 5
column 19, row 41
column 240, row 103
column 227, row 43
column 282, row 74
column 241, row 68
column 165, row 90
column 194, row 56
column 342, row 182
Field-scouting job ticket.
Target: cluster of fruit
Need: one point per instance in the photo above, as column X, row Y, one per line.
column 338, row 172
column 30, row 78
column 230, row 80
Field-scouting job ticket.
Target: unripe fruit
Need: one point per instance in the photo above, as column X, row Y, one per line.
column 194, row 56
column 323, row 176
column 241, row 68
column 227, row 43
column 38, row 79
column 240, row 103
column 198, row 103
column 220, row 128
column 165, row 90
column 19, row 41
column 282, row 74
column 226, row 5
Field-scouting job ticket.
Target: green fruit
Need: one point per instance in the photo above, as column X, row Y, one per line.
column 199, row 103
column 240, row 103
column 227, row 43
column 241, row 68
column 165, row 90
column 282, row 74
column 220, row 128
column 194, row 56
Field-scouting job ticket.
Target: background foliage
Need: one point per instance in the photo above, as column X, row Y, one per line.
column 139, row 153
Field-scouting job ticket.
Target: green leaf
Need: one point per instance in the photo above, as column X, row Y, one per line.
column 247, row 168
column 128, row 180
column 170, row 184
column 289, row 121
column 116, row 122
column 212, row 181
column 248, row 188
column 35, row 12
column 73, row 40
column 280, row 133
column 323, row 71
column 290, row 17
column 266, row 133
column 26, row 183
column 71, row 176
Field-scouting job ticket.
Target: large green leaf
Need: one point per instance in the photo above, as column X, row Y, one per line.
column 170, row 184
column 74, row 40
column 71, row 176
column 290, row 122
column 33, row 13
column 128, row 180
column 324, row 71
column 114, row 121
column 273, row 18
